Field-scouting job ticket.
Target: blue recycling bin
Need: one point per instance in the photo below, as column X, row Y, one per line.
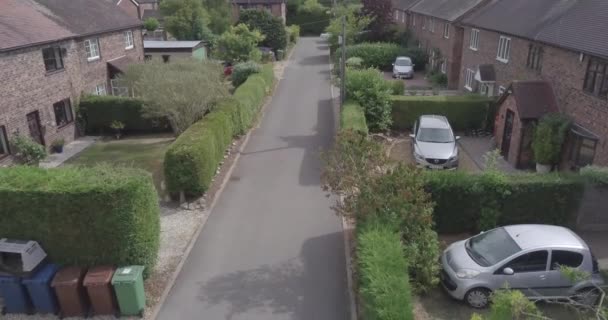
column 39, row 288
column 14, row 294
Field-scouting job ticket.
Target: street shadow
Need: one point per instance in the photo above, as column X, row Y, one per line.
column 314, row 60
column 310, row 286
column 323, row 47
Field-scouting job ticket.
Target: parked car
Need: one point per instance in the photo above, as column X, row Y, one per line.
column 525, row 257
column 325, row 36
column 434, row 143
column 403, row 68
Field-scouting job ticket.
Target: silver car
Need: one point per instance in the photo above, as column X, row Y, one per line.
column 403, row 68
column 525, row 257
column 434, row 143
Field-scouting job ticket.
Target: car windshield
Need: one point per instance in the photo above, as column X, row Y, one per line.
column 437, row 135
column 403, row 62
column 491, row 247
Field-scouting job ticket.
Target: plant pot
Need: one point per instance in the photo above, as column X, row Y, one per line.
column 57, row 149
column 543, row 168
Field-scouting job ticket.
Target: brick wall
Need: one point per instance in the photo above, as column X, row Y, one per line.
column 499, row 128
column 562, row 68
column 27, row 87
column 400, row 19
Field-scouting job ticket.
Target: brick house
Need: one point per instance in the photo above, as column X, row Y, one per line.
column 435, row 26
column 52, row 52
column 278, row 8
column 546, row 40
column 131, row 7
column 401, row 14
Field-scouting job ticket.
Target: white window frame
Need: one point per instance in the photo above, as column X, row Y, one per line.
column 118, row 88
column 444, row 66
column 129, row 43
column 501, row 90
column 424, row 23
column 413, row 20
column 504, row 49
column 91, row 47
column 396, row 15
column 474, row 40
column 483, row 88
column 469, row 77
column 446, row 30
column 100, row 89
column 432, row 25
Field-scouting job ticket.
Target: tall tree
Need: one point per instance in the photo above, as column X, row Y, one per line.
column 239, row 44
column 220, row 16
column 186, row 19
column 381, row 13
column 270, row 26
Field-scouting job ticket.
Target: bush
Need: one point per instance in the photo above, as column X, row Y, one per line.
column 28, row 151
column 438, row 79
column 383, row 285
column 352, row 118
column 98, row 113
column 597, row 175
column 463, row 112
column 192, row 160
column 549, row 136
column 461, row 198
column 275, row 35
column 293, row 33
column 354, row 63
column 382, row 55
column 83, row 216
column 242, row 71
column 239, row 44
column 151, row 24
column 369, row 89
column 397, row 87
column 304, row 16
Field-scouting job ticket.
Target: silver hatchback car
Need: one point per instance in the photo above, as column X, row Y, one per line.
column 526, row 257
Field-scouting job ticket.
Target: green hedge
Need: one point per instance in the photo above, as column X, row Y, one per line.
column 382, row 55
column 192, row 160
column 83, row 216
column 352, row 117
column 463, row 112
column 382, row 271
column 98, row 112
column 596, row 175
column 397, row 87
column 460, row 198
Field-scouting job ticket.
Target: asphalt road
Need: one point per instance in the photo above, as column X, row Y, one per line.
column 272, row 248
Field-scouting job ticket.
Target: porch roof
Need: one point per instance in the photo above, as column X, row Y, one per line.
column 533, row 98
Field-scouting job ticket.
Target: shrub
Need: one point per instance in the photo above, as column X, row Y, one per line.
column 549, row 136
column 372, row 92
column 83, row 216
column 354, row 63
column 397, row 87
column 242, row 71
column 293, row 32
column 28, row 151
column 98, row 113
column 381, row 55
column 275, row 35
column 463, row 112
column 438, row 79
column 383, row 285
column 151, row 24
column 352, row 118
column 239, row 44
column 597, row 175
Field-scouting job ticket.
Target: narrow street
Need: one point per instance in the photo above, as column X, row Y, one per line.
column 272, row 248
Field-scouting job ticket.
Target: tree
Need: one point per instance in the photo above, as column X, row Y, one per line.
column 369, row 88
column 355, row 25
column 275, row 35
column 220, row 15
column 151, row 24
column 186, row 19
column 239, row 44
column 182, row 91
column 381, row 13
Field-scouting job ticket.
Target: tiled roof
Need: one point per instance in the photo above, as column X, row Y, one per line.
column 258, row 1
column 30, row 22
column 578, row 25
column 152, row 13
column 534, row 98
column 404, row 4
column 450, row 10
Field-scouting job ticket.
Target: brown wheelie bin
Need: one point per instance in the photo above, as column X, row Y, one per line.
column 98, row 283
column 70, row 292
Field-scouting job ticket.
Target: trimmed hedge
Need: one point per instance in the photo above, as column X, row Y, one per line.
column 397, row 87
column 382, row 55
column 192, row 159
column 460, row 199
column 382, row 270
column 83, row 216
column 352, row 117
column 98, row 112
column 596, row 175
column 463, row 112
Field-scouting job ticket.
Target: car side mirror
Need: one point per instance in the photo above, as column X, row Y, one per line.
column 508, row 271
column 457, row 137
column 412, row 135
column 393, row 64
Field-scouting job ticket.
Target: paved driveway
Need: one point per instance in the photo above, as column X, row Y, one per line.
column 272, row 248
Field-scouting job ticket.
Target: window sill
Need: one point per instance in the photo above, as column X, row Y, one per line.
column 129, row 48
column 502, row 60
column 474, row 49
column 50, row 73
column 93, row 59
column 65, row 125
column 468, row 88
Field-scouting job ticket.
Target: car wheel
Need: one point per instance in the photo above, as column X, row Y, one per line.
column 478, row 298
column 588, row 296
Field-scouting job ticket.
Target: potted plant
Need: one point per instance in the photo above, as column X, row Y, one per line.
column 57, row 145
column 549, row 136
column 117, row 126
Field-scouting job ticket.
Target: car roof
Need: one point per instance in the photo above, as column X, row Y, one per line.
column 529, row 236
column 434, row 121
column 408, row 58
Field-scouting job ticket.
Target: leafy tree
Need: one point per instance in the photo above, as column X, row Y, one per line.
column 219, row 14
column 182, row 91
column 151, row 24
column 270, row 26
column 381, row 13
column 186, row 19
column 355, row 25
column 239, row 44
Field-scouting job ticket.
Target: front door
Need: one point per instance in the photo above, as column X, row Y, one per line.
column 33, row 123
column 506, row 137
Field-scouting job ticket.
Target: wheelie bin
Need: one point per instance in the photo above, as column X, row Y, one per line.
column 39, row 288
column 128, row 284
column 14, row 294
column 98, row 283
column 70, row 292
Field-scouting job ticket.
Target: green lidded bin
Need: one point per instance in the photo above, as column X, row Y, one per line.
column 128, row 285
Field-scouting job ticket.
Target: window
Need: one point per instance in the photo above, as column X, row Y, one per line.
column 529, row 262
column 100, row 89
column 501, row 90
column 128, row 40
column 4, row 150
column 504, row 49
column 63, row 113
column 596, row 79
column 446, row 30
column 565, row 258
column 444, row 66
column 413, row 20
column 483, row 89
column 583, row 144
column 474, row 41
column 166, row 58
column 148, row 57
column 91, row 46
column 52, row 59
column 535, row 56
column 468, row 82
column 119, row 88
column 424, row 22
column 396, row 15
column 431, row 24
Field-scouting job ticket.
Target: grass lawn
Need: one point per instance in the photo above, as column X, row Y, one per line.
column 144, row 152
